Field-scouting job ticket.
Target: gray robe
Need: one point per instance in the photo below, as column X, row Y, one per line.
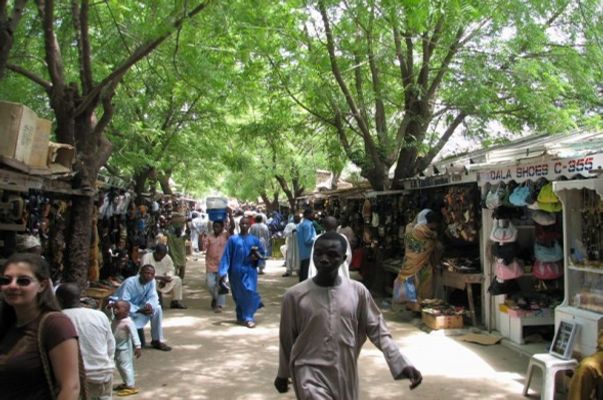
column 322, row 331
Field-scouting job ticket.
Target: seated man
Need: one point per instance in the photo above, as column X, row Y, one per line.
column 589, row 375
column 165, row 274
column 141, row 292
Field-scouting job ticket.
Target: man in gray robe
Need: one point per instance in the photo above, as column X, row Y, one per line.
column 324, row 324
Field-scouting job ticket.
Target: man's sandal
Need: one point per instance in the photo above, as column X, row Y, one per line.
column 127, row 391
column 120, row 386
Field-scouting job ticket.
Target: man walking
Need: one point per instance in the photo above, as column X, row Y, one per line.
column 240, row 263
column 96, row 340
column 214, row 248
column 260, row 230
column 305, row 238
column 325, row 321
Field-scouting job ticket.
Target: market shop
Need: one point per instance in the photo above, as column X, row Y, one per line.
column 535, row 218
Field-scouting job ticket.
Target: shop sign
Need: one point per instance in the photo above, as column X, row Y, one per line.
column 433, row 181
column 545, row 169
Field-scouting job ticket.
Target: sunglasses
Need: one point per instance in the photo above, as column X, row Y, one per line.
column 21, row 280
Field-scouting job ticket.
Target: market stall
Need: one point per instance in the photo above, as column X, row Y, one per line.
column 522, row 230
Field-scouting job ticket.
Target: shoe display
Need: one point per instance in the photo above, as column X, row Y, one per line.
column 160, row 346
column 178, row 305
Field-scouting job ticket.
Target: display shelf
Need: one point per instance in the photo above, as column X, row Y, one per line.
column 585, row 269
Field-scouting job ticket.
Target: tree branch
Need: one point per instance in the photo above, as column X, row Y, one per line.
column 380, row 119
column 426, row 160
column 54, row 59
column 139, row 53
column 452, row 50
column 337, row 73
column 31, row 76
column 81, row 27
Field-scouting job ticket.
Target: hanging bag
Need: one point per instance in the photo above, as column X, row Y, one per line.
column 508, row 271
column 544, row 218
column 503, row 231
column 519, row 196
column 548, row 200
column 548, row 254
column 547, row 270
column 495, row 196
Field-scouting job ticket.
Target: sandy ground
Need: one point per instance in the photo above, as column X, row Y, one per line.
column 213, row 358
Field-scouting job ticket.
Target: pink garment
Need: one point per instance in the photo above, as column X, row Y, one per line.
column 214, row 247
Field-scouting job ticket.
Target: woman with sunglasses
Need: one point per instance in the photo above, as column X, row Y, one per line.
column 26, row 299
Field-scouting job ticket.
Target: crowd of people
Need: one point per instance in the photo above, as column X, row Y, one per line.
column 46, row 353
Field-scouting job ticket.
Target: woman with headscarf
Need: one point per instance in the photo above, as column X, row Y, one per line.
column 421, row 254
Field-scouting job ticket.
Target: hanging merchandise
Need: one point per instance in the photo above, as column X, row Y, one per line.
column 505, row 272
column 546, row 233
column 499, row 286
column 495, row 196
column 544, row 218
column 547, row 270
column 503, row 231
column 506, row 251
column 548, row 253
column 548, row 200
column 521, row 194
column 366, row 210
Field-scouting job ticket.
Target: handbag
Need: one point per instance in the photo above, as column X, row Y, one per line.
column 548, row 200
column 520, row 195
column 547, row 270
column 495, row 197
column 48, row 367
column 503, row 231
column 498, row 287
column 509, row 271
column 546, row 233
column 506, row 251
column 544, row 218
column 404, row 291
column 548, row 254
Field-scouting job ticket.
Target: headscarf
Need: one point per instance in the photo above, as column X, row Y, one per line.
column 422, row 217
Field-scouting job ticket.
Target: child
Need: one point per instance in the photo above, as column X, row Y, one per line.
column 125, row 333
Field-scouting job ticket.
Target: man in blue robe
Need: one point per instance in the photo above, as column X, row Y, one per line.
column 240, row 262
column 141, row 292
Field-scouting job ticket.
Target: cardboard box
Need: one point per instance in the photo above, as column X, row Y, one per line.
column 442, row 321
column 24, row 135
column 60, row 155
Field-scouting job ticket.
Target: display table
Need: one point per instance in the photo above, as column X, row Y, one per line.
column 462, row 281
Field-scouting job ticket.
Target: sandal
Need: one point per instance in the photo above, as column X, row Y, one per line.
column 121, row 386
column 250, row 324
column 127, row 391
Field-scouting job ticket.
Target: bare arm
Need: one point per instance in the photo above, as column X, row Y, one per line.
column 64, row 360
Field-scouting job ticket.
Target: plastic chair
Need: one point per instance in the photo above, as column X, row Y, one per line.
column 549, row 365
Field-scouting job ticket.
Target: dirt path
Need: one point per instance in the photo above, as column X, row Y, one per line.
column 212, row 358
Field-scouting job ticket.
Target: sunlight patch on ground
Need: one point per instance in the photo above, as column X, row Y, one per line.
column 180, row 322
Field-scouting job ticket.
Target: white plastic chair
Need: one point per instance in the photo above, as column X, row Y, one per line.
column 549, row 366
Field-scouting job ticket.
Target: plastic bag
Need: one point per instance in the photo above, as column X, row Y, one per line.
column 404, row 291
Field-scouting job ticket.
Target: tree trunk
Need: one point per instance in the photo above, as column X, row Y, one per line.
column 140, row 179
column 8, row 25
column 164, row 182
column 78, row 240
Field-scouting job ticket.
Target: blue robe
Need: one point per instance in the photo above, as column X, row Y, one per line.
column 242, row 274
column 138, row 295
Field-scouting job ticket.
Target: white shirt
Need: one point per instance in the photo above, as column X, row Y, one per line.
column 96, row 340
column 165, row 267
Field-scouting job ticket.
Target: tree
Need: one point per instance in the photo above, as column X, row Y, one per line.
column 75, row 104
column 9, row 20
column 396, row 80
